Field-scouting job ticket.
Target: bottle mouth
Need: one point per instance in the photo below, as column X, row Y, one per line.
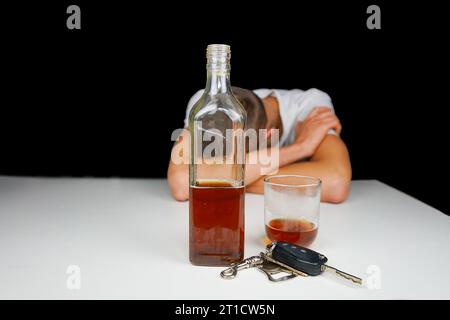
column 218, row 57
column 218, row 49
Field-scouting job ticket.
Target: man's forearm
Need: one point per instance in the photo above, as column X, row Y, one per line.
column 307, row 168
column 178, row 174
column 276, row 159
column 330, row 163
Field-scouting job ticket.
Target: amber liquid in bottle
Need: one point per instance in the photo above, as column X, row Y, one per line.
column 216, row 223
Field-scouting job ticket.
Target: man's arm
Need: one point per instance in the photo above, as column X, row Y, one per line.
column 178, row 171
column 330, row 162
column 328, row 159
column 326, row 156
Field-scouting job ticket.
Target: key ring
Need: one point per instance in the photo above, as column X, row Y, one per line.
column 250, row 262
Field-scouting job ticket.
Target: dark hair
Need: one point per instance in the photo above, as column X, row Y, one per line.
column 256, row 114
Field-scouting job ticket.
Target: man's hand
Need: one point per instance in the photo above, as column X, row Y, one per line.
column 312, row 131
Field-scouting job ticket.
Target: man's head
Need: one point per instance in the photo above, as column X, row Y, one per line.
column 257, row 117
column 256, row 114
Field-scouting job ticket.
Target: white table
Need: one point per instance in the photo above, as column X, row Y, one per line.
column 130, row 240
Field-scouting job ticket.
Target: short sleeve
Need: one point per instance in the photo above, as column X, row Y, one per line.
column 193, row 100
column 313, row 98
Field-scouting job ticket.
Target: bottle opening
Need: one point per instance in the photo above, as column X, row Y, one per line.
column 218, row 57
column 218, row 48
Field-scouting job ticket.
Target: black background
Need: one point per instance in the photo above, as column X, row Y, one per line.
column 104, row 100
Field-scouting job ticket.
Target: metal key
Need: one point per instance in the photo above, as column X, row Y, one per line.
column 305, row 260
column 264, row 264
column 267, row 256
column 271, row 269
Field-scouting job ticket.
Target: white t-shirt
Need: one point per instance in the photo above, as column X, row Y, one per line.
column 295, row 105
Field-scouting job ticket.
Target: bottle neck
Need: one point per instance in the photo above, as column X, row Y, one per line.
column 218, row 69
column 218, row 82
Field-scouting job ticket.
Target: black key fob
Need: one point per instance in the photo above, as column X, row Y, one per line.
column 299, row 258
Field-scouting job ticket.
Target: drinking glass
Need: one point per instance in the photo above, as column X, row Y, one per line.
column 291, row 208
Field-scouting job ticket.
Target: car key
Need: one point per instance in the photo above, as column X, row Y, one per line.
column 305, row 260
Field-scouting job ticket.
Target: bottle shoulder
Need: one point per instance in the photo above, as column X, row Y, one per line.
column 208, row 105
